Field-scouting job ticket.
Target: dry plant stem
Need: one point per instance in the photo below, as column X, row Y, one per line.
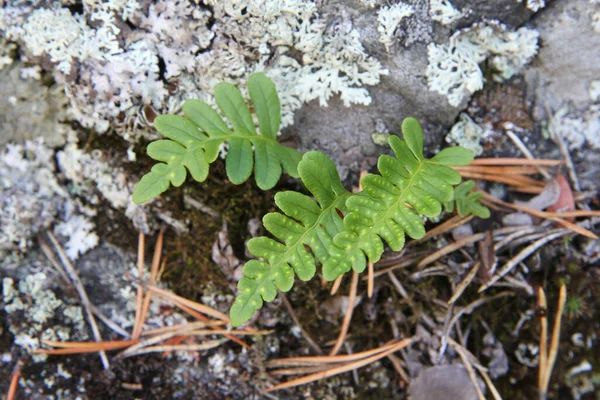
column 137, row 326
column 50, row 256
column 182, row 327
column 299, row 370
column 558, row 139
column 460, row 288
column 85, row 301
column 336, row 284
column 515, row 161
column 405, row 263
column 178, row 300
column 14, row 381
column 554, row 342
column 446, row 226
column 348, row 315
column 499, row 169
column 398, row 285
column 543, row 306
column 449, row 249
column 471, row 373
column 341, row 369
column 153, row 273
column 470, row 359
column 514, row 180
column 354, row 371
column 557, row 217
column 398, row 367
column 526, row 252
column 526, row 152
column 132, row 386
column 370, row 279
column 108, row 322
column 292, row 314
column 318, row 360
column 183, row 347
column 84, row 347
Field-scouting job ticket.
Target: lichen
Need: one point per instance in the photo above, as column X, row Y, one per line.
column 33, row 310
column 389, row 18
column 453, row 68
column 578, row 128
column 444, row 12
column 108, row 57
column 467, row 133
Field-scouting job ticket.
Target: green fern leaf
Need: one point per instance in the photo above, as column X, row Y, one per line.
column 195, row 140
column 305, row 223
column 389, row 205
column 467, row 202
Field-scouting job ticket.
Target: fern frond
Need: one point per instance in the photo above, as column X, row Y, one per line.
column 194, row 141
column 389, row 206
column 304, row 223
column 467, row 202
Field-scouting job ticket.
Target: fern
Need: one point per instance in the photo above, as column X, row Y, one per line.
column 194, row 141
column 389, row 206
column 347, row 230
column 305, row 223
column 467, row 202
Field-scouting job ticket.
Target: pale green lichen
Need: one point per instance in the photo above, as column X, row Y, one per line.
column 467, row 133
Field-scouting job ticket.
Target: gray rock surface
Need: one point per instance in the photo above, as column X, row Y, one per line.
column 344, row 133
column 569, row 56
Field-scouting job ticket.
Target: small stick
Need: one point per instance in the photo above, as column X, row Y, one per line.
column 14, row 380
column 516, row 161
column 50, row 256
column 153, row 272
column 132, row 386
column 398, row 367
column 446, row 226
column 398, row 285
column 178, row 300
column 370, row 279
column 336, row 284
column 178, row 347
column 341, row 369
column 290, row 310
column 317, row 360
column 348, row 315
column 404, row 263
column 562, row 298
column 526, row 252
column 543, row 364
column 137, row 326
column 449, row 249
column 85, row 301
column 526, row 151
column 462, row 285
column 108, row 322
column 558, row 139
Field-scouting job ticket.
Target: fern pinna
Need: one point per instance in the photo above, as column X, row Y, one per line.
column 194, row 141
column 345, row 230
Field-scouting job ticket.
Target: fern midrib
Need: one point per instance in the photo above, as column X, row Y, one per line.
column 300, row 240
column 401, row 198
column 203, row 144
column 274, row 266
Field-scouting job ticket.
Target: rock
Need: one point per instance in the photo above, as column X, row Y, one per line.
column 569, row 57
column 448, row 382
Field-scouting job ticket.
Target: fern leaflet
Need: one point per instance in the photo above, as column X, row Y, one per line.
column 467, row 201
column 388, row 207
column 304, row 223
column 194, row 141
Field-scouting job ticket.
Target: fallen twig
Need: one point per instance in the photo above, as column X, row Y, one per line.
column 348, row 315
column 292, row 314
column 85, row 301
